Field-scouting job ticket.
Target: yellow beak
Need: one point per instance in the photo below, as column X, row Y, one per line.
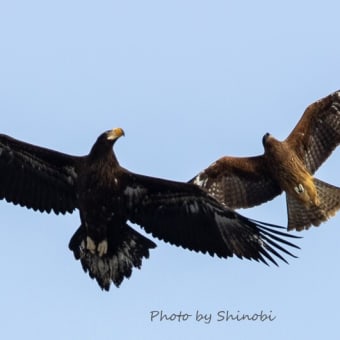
column 115, row 133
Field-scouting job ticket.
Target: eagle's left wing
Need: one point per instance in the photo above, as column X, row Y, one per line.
column 184, row 215
column 238, row 182
column 317, row 133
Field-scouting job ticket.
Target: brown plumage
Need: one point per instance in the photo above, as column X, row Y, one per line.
column 241, row 182
column 108, row 196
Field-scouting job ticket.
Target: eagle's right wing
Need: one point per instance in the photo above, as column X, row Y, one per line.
column 36, row 177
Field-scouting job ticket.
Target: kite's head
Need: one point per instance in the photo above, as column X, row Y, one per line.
column 265, row 138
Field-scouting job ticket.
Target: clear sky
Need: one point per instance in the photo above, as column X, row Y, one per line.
column 188, row 81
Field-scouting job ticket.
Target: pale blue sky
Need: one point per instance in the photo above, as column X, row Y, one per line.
column 189, row 81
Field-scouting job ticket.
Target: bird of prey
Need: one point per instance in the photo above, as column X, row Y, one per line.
column 109, row 196
column 241, row 182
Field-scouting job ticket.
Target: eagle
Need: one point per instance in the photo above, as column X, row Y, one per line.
column 289, row 166
column 109, row 197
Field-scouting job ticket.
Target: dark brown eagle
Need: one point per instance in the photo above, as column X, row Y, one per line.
column 241, row 182
column 108, row 196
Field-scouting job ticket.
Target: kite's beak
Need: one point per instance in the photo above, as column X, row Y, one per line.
column 115, row 133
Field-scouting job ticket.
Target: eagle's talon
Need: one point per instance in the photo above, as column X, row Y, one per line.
column 102, row 248
column 90, row 245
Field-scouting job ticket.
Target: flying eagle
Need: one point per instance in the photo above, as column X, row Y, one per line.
column 108, row 196
column 241, row 182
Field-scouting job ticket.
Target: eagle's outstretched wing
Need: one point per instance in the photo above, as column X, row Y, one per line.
column 36, row 177
column 317, row 133
column 184, row 215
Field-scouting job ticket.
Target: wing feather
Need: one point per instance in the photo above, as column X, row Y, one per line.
column 317, row 133
column 238, row 182
column 36, row 177
column 184, row 215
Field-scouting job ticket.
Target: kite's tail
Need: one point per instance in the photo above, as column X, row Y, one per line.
column 125, row 250
column 302, row 217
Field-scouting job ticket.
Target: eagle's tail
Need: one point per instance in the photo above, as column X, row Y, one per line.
column 302, row 217
column 125, row 251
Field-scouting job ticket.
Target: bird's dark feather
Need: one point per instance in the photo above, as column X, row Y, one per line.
column 35, row 177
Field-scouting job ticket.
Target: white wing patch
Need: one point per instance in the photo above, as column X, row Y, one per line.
column 134, row 194
column 214, row 189
column 200, row 181
column 71, row 171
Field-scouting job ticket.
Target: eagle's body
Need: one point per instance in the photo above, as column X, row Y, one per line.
column 109, row 196
column 289, row 166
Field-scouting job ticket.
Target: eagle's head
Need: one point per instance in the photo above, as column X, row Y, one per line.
column 114, row 134
column 105, row 141
column 110, row 136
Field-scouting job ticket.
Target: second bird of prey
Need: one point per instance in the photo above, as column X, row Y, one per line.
column 289, row 166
